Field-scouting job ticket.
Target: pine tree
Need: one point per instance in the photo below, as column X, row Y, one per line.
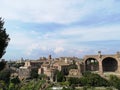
column 4, row 38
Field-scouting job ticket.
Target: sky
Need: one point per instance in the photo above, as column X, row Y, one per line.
column 39, row 28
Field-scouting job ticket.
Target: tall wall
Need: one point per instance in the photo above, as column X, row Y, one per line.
column 105, row 62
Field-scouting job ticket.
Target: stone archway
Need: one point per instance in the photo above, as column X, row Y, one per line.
column 91, row 64
column 109, row 64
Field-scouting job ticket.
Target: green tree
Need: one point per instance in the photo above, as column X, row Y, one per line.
column 73, row 80
column 96, row 80
column 11, row 86
column 5, row 75
column 14, row 84
column 2, row 85
column 4, row 38
column 115, row 81
column 15, row 80
column 86, row 74
column 89, row 79
column 2, row 64
column 34, row 73
column 60, row 76
column 42, row 76
column 92, row 79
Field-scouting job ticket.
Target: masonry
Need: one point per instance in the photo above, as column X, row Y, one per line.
column 99, row 63
column 102, row 63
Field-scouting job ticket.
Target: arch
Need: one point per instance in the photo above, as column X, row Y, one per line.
column 109, row 64
column 91, row 64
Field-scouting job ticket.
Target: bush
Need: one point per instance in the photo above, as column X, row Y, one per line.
column 73, row 80
column 115, row 81
column 89, row 79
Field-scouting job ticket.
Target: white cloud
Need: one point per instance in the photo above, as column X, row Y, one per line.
column 38, row 10
column 58, row 50
column 58, row 11
column 31, row 48
column 99, row 33
column 74, row 36
column 68, row 40
column 20, row 39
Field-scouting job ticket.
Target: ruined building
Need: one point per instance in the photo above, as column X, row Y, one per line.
column 99, row 63
column 102, row 64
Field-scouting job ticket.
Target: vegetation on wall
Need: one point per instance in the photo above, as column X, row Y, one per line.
column 89, row 79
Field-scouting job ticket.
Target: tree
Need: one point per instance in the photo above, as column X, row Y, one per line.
column 2, row 64
column 4, row 38
column 42, row 76
column 34, row 73
column 5, row 75
column 15, row 80
column 115, row 81
column 11, row 86
column 59, row 76
column 14, row 83
column 92, row 79
column 73, row 80
column 2, row 85
column 89, row 79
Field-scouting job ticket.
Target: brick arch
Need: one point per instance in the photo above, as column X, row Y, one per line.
column 104, row 57
column 86, row 58
column 91, row 64
column 109, row 64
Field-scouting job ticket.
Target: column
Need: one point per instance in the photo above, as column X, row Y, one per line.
column 100, row 67
column 118, row 68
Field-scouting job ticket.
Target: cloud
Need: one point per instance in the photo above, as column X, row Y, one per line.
column 67, row 41
column 99, row 33
column 38, row 10
column 61, row 27
column 58, row 50
column 20, row 39
column 57, row 11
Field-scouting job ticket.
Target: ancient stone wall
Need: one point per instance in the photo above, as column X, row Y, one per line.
column 104, row 63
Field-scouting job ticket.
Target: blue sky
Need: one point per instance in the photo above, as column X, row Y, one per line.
column 61, row 27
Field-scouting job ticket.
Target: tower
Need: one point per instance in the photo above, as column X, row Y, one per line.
column 49, row 57
column 99, row 54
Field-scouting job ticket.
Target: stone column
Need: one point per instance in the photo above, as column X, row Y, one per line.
column 100, row 67
column 118, row 61
column 118, row 68
column 52, row 76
